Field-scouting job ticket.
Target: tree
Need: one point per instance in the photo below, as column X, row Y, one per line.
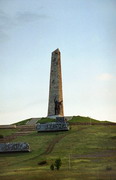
column 58, row 163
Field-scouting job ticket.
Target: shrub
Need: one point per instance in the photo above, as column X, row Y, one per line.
column 1, row 136
column 42, row 162
column 108, row 168
column 58, row 163
column 113, row 137
column 52, row 167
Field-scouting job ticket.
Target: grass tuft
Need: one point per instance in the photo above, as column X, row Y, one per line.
column 45, row 120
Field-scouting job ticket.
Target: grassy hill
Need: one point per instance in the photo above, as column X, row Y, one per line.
column 82, row 119
column 87, row 152
column 75, row 119
column 23, row 122
column 41, row 120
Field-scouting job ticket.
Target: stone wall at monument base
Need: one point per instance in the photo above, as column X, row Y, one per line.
column 14, row 147
column 53, row 126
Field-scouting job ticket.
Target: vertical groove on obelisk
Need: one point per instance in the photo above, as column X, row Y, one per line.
column 55, row 106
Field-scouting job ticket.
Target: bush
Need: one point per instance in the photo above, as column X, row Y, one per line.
column 58, row 163
column 52, row 167
column 108, row 168
column 113, row 137
column 1, row 136
column 42, row 162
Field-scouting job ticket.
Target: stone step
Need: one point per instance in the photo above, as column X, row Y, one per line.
column 33, row 121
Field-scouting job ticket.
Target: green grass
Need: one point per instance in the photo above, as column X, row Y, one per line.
column 90, row 149
column 42, row 120
column 81, row 119
column 75, row 119
column 45, row 120
column 6, row 132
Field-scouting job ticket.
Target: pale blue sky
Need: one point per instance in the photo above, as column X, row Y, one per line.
column 85, row 33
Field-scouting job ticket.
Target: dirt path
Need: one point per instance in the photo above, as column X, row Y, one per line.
column 52, row 144
column 54, row 141
column 48, row 150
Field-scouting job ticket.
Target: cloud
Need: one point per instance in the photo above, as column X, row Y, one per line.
column 26, row 17
column 7, row 21
column 105, row 77
column 3, row 36
column 5, row 24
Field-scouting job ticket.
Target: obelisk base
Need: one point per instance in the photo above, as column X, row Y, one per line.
column 54, row 116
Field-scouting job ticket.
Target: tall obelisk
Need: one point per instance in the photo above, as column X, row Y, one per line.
column 55, row 106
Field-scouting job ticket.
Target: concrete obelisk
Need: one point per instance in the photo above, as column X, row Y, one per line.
column 55, row 106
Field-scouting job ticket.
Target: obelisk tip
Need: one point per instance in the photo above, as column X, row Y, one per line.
column 56, row 51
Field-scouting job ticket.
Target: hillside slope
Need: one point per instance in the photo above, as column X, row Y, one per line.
column 86, row 151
